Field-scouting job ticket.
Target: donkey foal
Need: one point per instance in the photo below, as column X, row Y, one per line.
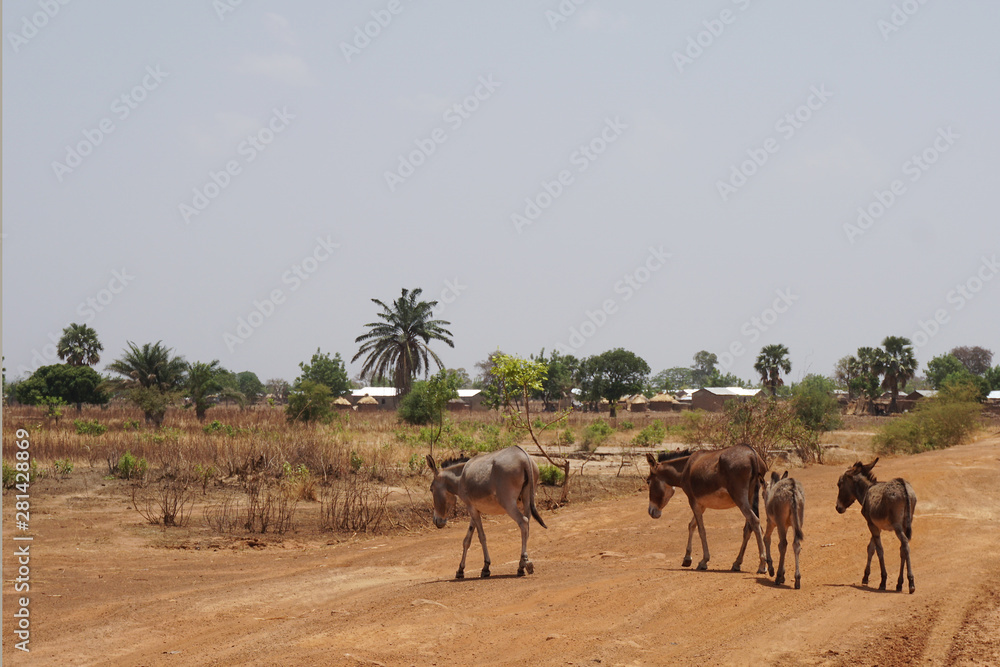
column 886, row 506
column 784, row 502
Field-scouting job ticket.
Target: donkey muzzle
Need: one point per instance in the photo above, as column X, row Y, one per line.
column 654, row 511
column 440, row 522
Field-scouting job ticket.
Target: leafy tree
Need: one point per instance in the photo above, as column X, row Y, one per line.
column 992, row 378
column 613, row 374
column 150, row 377
column 672, row 379
column 518, row 379
column 308, row 401
column 250, row 386
column 897, row 365
column 771, row 362
column 201, row 380
column 815, row 404
column 427, row 401
column 278, row 388
column 717, row 379
column 867, row 377
column 462, row 378
column 976, row 359
column 941, row 367
column 490, row 384
column 399, row 344
column 559, row 378
column 71, row 384
column 79, row 346
column 326, row 371
column 703, row 368
column 845, row 372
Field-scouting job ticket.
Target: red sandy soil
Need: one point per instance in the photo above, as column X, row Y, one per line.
column 608, row 587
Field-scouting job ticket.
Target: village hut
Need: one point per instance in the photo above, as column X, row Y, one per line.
column 367, row 404
column 664, row 402
column 342, row 404
column 458, row 405
column 639, row 403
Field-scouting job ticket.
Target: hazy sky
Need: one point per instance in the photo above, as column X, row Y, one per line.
column 239, row 179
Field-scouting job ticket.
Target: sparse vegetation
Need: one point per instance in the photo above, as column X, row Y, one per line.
column 948, row 419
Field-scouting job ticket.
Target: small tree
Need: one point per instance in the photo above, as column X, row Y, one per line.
column 771, row 363
column 71, row 384
column 201, row 380
column 815, row 404
column 941, row 367
column 518, row 379
column 326, row 371
column 79, row 346
column 612, row 375
column 427, row 401
column 308, row 401
column 250, row 386
column 897, row 365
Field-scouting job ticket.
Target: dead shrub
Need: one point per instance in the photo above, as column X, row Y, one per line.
column 357, row 503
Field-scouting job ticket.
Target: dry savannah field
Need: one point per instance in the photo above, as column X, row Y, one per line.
column 109, row 587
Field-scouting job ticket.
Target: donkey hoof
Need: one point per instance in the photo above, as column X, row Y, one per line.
column 882, row 586
column 770, row 571
column 485, row 573
column 912, row 588
column 780, row 579
column 702, row 566
column 520, row 572
column 899, row 586
column 736, row 567
column 686, row 562
column 763, row 569
column 798, row 583
column 460, row 574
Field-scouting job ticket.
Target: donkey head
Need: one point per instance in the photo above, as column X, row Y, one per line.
column 439, row 491
column 853, row 483
column 659, row 491
column 767, row 484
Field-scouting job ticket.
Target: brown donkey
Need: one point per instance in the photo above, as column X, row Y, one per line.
column 784, row 502
column 886, row 506
column 719, row 480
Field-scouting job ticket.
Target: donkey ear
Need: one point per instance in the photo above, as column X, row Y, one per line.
column 785, row 475
column 774, row 478
column 652, row 461
column 431, row 464
column 871, row 465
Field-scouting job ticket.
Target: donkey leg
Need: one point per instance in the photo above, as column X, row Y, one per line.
column 477, row 518
column 753, row 524
column 524, row 524
column 868, row 565
column 881, row 561
column 738, row 563
column 797, row 546
column 904, row 559
column 687, row 554
column 465, row 550
column 782, row 548
column 767, row 546
column 703, row 563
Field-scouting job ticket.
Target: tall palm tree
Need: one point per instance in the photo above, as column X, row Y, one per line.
column 897, row 365
column 771, row 362
column 79, row 346
column 398, row 345
column 201, row 380
column 149, row 376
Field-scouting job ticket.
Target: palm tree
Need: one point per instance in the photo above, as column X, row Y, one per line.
column 398, row 345
column 79, row 346
column 150, row 375
column 771, row 362
column 201, row 380
column 897, row 365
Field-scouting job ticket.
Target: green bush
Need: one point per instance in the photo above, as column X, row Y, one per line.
column 63, row 466
column 596, row 433
column 129, row 467
column 651, row 435
column 550, row 475
column 626, row 426
column 308, row 401
column 130, row 425
column 92, row 427
column 943, row 421
column 815, row 405
column 10, row 474
column 566, row 437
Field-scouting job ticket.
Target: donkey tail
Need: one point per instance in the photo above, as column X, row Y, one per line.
column 907, row 514
column 529, row 487
column 796, row 517
column 757, row 469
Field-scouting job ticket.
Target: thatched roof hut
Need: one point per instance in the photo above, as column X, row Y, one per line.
column 664, row 402
column 343, row 404
column 639, row 403
column 367, row 404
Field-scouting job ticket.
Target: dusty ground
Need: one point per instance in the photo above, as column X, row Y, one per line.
column 608, row 588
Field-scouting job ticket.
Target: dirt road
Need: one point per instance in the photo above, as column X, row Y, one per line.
column 608, row 588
